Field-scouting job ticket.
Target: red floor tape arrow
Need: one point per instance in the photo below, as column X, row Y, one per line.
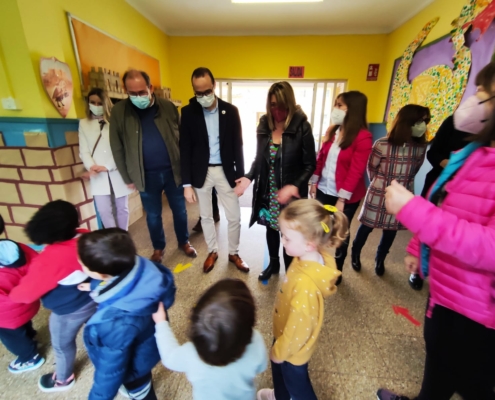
column 405, row 312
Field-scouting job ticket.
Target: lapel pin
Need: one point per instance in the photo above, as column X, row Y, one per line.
column 223, row 111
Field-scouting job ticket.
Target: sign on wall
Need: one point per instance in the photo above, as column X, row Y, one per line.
column 296, row 72
column 372, row 72
column 57, row 81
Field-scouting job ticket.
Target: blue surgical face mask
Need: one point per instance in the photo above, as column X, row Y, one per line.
column 141, row 102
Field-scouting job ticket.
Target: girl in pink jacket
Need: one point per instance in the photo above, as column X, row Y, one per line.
column 454, row 244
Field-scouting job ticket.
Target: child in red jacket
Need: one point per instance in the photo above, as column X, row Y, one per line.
column 16, row 330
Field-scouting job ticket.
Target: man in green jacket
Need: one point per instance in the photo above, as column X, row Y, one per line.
column 144, row 136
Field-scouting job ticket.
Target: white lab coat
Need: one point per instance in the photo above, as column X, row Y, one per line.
column 89, row 131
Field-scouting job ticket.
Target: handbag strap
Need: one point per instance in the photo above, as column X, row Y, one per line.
column 102, row 123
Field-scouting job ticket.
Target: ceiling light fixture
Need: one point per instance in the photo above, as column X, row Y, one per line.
column 277, row 1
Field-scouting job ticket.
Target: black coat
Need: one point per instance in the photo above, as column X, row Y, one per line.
column 194, row 144
column 447, row 140
column 295, row 164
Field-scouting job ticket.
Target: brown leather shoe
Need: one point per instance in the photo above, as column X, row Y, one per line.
column 210, row 262
column 188, row 249
column 198, row 227
column 239, row 263
column 157, row 256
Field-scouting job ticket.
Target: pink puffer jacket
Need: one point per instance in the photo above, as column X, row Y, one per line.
column 461, row 235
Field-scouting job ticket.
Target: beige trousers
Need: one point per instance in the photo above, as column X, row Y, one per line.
column 215, row 178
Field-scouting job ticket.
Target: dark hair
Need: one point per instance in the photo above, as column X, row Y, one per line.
column 222, row 322
column 56, row 221
column 2, row 225
column 407, row 116
column 486, row 78
column 355, row 117
column 202, row 71
column 107, row 251
column 107, row 103
column 133, row 73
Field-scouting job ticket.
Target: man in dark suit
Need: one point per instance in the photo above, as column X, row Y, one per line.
column 211, row 156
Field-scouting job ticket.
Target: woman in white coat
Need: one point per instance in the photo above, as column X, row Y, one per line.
column 95, row 152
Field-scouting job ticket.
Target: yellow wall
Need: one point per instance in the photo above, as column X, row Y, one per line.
column 269, row 57
column 398, row 40
column 46, row 32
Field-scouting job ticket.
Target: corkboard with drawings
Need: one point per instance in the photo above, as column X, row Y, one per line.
column 96, row 48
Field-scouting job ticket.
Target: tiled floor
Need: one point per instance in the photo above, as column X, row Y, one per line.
column 363, row 345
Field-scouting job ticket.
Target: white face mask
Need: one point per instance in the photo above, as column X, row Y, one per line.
column 206, row 101
column 419, row 129
column 471, row 115
column 337, row 116
column 96, row 110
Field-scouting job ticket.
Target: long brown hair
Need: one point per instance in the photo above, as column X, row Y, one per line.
column 284, row 94
column 355, row 117
column 107, row 104
column 407, row 116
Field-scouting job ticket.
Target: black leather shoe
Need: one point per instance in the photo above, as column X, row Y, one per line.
column 416, row 282
column 355, row 261
column 379, row 267
column 272, row 269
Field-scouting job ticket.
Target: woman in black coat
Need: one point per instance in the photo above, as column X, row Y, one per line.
column 285, row 160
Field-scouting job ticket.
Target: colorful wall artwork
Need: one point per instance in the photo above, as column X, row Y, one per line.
column 57, row 81
column 442, row 74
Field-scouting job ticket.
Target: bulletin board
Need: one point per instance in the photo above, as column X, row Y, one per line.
column 95, row 48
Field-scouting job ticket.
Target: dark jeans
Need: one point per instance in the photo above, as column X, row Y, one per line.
column 273, row 242
column 137, row 386
column 349, row 211
column 291, row 382
column 20, row 341
column 155, row 184
column 460, row 356
column 362, row 234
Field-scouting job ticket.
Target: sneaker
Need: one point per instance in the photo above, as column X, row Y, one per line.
column 48, row 383
column 17, row 367
column 384, row 394
column 266, row 394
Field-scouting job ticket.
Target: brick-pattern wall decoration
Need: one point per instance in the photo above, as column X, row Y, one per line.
column 32, row 176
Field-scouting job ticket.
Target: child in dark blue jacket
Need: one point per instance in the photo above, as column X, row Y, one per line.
column 120, row 335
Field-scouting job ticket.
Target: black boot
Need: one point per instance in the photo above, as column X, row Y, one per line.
column 273, row 268
column 416, row 282
column 380, row 266
column 339, row 260
column 355, row 260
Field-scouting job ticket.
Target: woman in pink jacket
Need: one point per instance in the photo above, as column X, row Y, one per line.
column 454, row 244
column 339, row 176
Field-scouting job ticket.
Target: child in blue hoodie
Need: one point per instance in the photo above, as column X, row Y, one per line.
column 119, row 337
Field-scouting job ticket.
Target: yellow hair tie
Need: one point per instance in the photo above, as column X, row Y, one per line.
column 330, row 208
column 325, row 227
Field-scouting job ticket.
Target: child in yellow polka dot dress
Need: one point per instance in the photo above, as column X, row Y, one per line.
column 308, row 229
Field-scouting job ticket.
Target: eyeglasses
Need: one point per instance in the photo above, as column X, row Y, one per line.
column 140, row 93
column 202, row 94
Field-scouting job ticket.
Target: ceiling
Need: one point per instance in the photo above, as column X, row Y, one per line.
column 330, row 17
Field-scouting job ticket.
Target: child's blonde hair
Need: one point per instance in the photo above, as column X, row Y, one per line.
column 322, row 225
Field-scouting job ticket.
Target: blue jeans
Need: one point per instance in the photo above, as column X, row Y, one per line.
column 156, row 183
column 292, row 382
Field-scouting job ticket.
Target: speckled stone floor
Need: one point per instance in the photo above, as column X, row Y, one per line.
column 363, row 344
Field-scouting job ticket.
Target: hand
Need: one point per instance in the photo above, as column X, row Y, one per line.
column 286, row 193
column 412, row 264
column 98, row 169
column 160, row 315
column 444, row 163
column 340, row 205
column 189, row 194
column 131, row 186
column 85, row 175
column 272, row 358
column 241, row 185
column 396, row 197
column 312, row 191
column 84, row 287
